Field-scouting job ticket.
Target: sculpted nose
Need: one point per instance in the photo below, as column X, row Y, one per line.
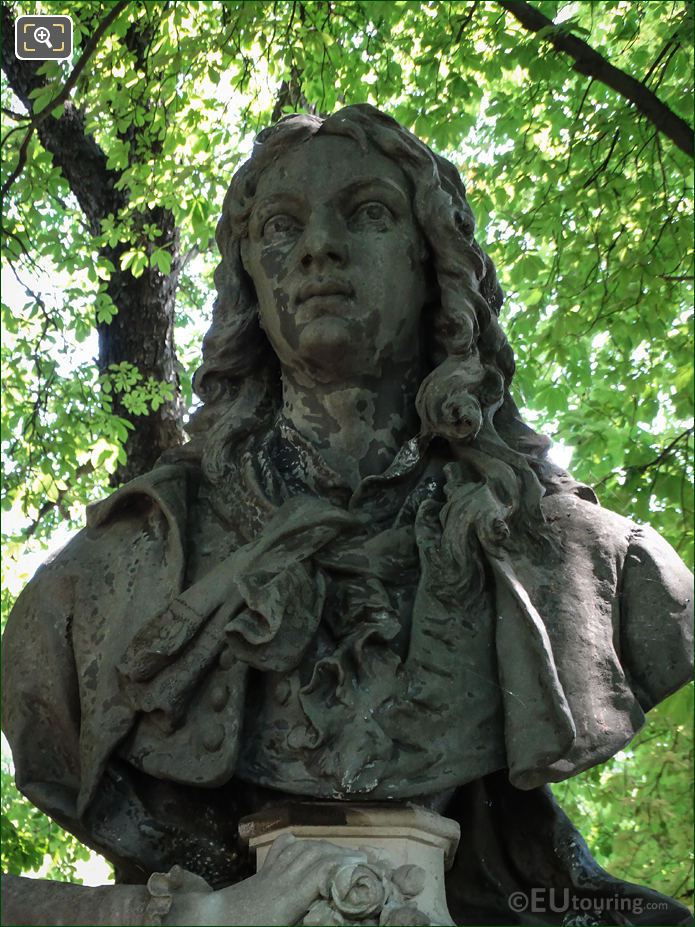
column 324, row 243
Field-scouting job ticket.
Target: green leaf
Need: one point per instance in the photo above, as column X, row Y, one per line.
column 162, row 260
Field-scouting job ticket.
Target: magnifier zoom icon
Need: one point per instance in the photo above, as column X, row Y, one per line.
column 42, row 34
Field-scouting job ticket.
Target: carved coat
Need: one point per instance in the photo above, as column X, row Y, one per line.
column 167, row 666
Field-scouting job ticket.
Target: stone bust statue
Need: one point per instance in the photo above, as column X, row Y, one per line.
column 362, row 579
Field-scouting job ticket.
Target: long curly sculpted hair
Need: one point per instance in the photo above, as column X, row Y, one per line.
column 465, row 397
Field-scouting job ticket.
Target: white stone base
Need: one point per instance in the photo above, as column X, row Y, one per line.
column 391, row 837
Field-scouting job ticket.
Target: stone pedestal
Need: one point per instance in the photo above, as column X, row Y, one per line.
column 396, row 874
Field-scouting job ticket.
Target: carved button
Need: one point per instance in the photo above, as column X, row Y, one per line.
column 226, row 660
column 212, row 737
column 283, row 690
column 218, row 696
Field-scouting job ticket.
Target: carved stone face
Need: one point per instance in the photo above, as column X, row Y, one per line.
column 337, row 260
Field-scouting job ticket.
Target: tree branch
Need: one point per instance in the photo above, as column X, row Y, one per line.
column 656, row 462
column 50, row 504
column 465, row 20
column 64, row 94
column 19, row 117
column 589, row 62
column 75, row 152
column 141, row 332
column 663, row 454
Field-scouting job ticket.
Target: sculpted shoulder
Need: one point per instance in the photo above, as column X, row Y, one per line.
column 653, row 596
column 149, row 511
column 142, row 521
column 581, row 522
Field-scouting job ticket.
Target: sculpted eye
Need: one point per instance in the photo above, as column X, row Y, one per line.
column 373, row 214
column 280, row 226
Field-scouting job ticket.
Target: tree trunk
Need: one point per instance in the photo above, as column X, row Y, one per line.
column 142, row 332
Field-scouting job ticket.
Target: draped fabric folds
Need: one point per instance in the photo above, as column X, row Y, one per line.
column 389, row 643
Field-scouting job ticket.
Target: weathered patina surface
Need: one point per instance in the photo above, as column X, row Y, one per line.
column 362, row 578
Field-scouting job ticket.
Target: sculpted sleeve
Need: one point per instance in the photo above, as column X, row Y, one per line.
column 616, row 603
column 41, row 707
column 63, row 711
column 40, row 902
column 656, row 617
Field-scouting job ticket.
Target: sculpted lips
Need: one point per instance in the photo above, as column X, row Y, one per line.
column 324, row 286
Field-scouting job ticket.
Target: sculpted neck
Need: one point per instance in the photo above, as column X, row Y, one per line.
column 358, row 424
